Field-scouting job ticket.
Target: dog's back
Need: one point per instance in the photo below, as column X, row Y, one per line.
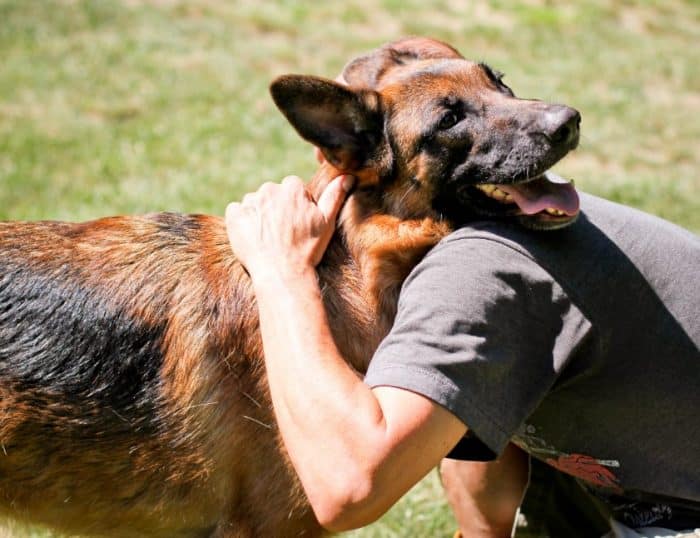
column 131, row 382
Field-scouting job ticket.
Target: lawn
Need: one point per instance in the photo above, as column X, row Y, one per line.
column 131, row 106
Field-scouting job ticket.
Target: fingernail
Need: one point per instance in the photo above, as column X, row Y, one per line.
column 348, row 182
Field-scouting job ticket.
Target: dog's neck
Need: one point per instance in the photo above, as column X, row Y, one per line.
column 351, row 309
column 365, row 264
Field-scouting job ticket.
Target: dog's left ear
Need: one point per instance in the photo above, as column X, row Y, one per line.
column 345, row 124
column 369, row 70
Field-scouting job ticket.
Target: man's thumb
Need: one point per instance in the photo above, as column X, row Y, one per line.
column 333, row 196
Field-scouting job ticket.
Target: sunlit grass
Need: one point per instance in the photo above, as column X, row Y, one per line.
column 126, row 107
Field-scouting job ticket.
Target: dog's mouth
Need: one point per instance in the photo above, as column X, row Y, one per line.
column 545, row 202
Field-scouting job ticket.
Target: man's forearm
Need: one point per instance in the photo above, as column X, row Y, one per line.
column 355, row 449
column 320, row 404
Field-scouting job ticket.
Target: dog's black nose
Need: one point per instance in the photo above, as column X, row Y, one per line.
column 560, row 124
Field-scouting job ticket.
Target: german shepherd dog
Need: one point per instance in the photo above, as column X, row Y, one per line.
column 133, row 399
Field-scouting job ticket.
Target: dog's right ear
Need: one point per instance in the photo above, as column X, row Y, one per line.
column 345, row 124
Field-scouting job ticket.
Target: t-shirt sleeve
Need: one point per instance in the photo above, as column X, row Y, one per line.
column 482, row 330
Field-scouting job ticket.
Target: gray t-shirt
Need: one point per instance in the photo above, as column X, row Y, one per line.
column 579, row 345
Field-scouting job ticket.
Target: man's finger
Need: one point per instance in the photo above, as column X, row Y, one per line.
column 232, row 210
column 293, row 181
column 250, row 198
column 332, row 198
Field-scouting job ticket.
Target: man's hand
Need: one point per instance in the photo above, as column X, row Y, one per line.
column 281, row 228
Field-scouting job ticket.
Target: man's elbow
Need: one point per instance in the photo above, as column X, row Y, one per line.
column 351, row 507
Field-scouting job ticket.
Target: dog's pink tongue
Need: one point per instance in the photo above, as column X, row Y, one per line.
column 547, row 191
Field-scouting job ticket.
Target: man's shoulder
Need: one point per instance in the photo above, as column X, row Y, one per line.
column 474, row 266
column 603, row 226
column 477, row 248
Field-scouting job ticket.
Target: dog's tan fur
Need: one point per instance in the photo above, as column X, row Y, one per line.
column 196, row 452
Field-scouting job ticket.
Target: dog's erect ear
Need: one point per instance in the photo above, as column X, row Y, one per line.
column 367, row 71
column 345, row 124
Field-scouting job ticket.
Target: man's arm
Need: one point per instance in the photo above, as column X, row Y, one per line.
column 355, row 449
column 485, row 496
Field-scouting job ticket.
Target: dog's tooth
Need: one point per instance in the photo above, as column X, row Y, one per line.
column 492, row 191
column 498, row 194
column 488, row 189
column 555, row 212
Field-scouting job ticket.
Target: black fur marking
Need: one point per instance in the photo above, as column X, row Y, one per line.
column 496, row 77
column 64, row 342
column 493, row 74
column 176, row 224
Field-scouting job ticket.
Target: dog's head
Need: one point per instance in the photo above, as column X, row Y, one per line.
column 431, row 134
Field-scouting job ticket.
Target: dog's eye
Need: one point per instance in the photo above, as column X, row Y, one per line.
column 448, row 120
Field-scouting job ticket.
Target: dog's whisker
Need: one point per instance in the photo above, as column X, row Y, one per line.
column 203, row 404
column 268, row 426
column 324, row 289
column 226, row 361
column 409, row 188
column 119, row 416
column 257, row 403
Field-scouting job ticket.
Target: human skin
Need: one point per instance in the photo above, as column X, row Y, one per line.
column 356, row 450
column 485, row 496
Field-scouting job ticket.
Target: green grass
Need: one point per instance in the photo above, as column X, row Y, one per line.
column 125, row 107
